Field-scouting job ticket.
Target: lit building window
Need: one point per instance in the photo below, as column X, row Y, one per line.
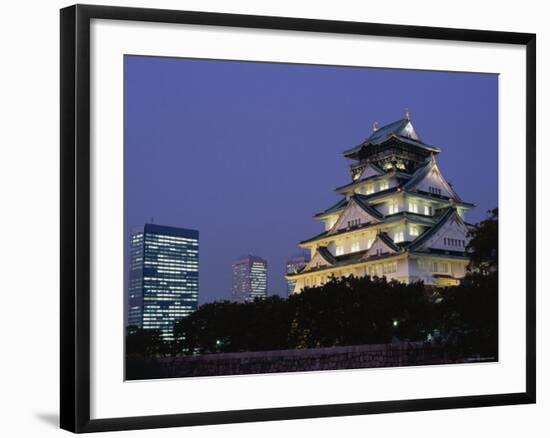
column 413, row 231
column 398, row 237
column 413, row 207
column 389, row 268
column 355, row 247
column 428, row 210
column 339, row 250
column 441, row 267
column 384, row 185
column 394, row 208
column 369, row 189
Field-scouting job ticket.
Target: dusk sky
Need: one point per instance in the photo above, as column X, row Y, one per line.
column 247, row 152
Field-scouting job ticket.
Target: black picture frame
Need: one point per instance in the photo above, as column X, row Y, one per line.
column 75, row 217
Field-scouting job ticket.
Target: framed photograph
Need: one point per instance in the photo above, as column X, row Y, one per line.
column 269, row 218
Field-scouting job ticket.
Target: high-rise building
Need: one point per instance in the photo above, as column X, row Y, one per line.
column 294, row 265
column 398, row 217
column 163, row 283
column 249, row 279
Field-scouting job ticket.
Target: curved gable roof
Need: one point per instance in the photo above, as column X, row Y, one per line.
column 401, row 129
column 423, row 172
column 433, row 230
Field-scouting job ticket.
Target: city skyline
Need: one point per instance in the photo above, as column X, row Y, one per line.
column 246, row 152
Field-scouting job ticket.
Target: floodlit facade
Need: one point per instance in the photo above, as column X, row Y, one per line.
column 249, row 279
column 398, row 217
column 164, row 277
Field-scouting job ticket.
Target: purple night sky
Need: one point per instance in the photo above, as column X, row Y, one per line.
column 247, row 152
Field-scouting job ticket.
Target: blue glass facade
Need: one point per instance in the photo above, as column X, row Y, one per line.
column 163, row 284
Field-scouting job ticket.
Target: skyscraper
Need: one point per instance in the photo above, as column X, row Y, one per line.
column 249, row 279
column 294, row 265
column 398, row 218
column 163, row 284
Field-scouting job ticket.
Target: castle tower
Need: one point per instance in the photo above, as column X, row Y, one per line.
column 397, row 218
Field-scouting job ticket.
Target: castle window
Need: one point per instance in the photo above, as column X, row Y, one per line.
column 434, row 190
column 355, row 247
column 398, row 237
column 428, row 210
column 339, row 250
column 394, row 208
column 369, row 189
column 413, row 231
column 384, row 185
column 354, row 223
column 413, row 207
column 454, row 242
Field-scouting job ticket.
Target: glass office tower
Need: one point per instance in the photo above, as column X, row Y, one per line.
column 163, row 285
column 249, row 279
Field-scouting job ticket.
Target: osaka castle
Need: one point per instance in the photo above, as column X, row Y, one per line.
column 398, row 217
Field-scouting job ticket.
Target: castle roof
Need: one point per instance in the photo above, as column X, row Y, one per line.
column 422, row 172
column 342, row 203
column 402, row 130
column 388, row 241
column 431, row 231
column 366, row 207
column 392, row 173
column 414, row 218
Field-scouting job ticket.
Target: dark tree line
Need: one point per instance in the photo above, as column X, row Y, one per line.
column 350, row 311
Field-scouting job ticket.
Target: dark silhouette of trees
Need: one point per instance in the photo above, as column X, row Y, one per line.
column 353, row 311
column 468, row 314
column 347, row 311
column 483, row 245
column 145, row 342
column 228, row 326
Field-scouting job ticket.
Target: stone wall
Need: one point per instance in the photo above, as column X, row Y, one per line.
column 281, row 361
